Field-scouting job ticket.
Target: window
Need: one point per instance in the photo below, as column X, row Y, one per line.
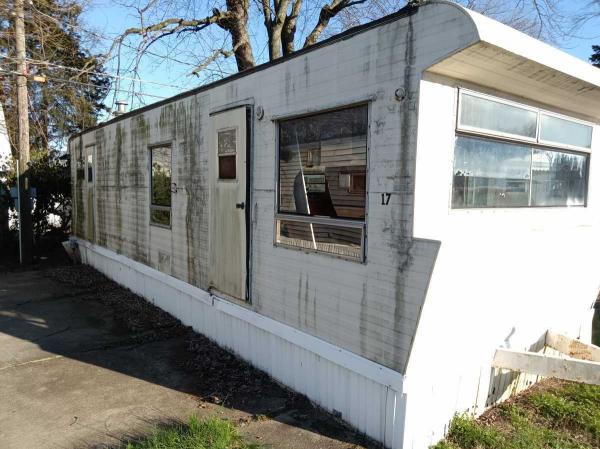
column 524, row 166
column 488, row 173
column 160, row 195
column 484, row 114
column 558, row 179
column 322, row 182
column 226, row 153
column 567, row 132
column 90, row 168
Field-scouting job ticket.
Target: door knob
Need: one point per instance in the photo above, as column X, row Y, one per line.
column 240, row 205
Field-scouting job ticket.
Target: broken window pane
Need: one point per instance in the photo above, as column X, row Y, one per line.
column 322, row 164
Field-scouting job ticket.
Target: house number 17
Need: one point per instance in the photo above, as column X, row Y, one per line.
column 385, row 199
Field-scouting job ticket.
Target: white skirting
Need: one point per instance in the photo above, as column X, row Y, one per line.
column 367, row 395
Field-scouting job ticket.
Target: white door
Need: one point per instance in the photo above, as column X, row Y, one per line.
column 227, row 174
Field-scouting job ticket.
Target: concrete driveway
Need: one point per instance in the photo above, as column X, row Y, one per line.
column 72, row 376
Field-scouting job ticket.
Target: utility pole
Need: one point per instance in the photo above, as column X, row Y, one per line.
column 25, row 223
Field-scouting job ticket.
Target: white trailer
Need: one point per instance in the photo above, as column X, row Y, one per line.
column 367, row 220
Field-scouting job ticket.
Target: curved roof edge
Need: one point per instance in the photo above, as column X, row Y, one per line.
column 519, row 43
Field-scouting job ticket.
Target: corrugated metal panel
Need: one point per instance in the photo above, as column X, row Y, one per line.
column 362, row 402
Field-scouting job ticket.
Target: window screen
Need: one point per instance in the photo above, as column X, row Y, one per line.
column 160, row 205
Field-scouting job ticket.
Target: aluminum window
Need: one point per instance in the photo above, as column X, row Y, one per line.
column 512, row 155
column 322, row 182
column 558, row 130
column 489, row 173
column 160, row 186
column 491, row 116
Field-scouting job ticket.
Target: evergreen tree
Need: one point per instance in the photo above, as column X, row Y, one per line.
column 595, row 58
column 66, row 91
column 70, row 98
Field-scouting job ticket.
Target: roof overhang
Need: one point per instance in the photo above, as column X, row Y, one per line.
column 508, row 60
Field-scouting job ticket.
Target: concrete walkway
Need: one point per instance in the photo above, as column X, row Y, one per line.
column 70, row 377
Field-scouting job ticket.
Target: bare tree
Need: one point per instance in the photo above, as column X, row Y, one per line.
column 246, row 28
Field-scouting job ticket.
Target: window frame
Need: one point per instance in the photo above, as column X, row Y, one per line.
column 90, row 166
column 471, row 130
column 235, row 155
column 531, row 147
column 553, row 144
column 157, row 207
column 322, row 220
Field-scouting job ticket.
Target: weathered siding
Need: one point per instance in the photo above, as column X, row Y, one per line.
column 370, row 309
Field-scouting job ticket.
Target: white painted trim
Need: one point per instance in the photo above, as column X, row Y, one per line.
column 548, row 366
column 572, row 348
column 353, row 362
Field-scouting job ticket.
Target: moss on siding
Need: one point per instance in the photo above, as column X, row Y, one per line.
column 189, row 171
column 119, row 139
column 140, row 137
column 102, row 159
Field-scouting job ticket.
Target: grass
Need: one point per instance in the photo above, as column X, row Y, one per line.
column 211, row 433
column 557, row 415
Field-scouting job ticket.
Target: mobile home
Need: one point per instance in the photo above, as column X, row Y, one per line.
column 367, row 220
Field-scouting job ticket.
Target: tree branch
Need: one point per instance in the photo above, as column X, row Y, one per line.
column 327, row 13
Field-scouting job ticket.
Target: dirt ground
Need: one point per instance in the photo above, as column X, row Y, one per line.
column 85, row 363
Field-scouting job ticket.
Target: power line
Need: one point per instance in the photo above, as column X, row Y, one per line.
column 87, row 84
column 110, row 75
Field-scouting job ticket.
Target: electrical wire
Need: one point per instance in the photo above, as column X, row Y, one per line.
column 38, row 62
column 85, row 84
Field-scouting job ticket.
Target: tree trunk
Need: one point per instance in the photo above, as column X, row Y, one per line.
column 238, row 27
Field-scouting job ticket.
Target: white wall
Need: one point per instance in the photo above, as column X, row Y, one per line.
column 502, row 277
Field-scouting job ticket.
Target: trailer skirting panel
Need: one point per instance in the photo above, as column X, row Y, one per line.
column 367, row 395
